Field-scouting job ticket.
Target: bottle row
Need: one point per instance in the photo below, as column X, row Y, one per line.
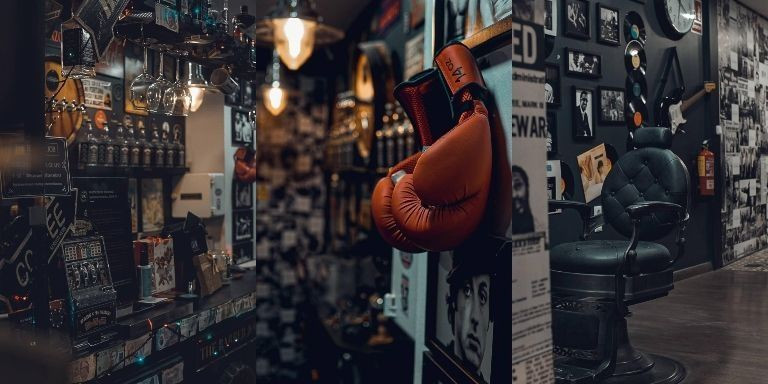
column 351, row 144
column 128, row 148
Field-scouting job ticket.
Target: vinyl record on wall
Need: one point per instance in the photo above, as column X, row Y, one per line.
column 634, row 57
column 637, row 114
column 637, row 87
column 634, row 28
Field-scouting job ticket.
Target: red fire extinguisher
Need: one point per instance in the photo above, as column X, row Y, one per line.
column 706, row 165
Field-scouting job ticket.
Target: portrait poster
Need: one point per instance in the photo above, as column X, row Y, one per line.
column 594, row 166
column 152, row 212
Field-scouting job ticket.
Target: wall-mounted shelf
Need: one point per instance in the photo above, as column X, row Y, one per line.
column 129, row 172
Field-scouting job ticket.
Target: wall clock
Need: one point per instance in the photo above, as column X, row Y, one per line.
column 675, row 16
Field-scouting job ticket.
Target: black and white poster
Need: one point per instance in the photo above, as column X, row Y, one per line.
column 242, row 130
column 583, row 118
column 611, row 105
column 742, row 39
column 608, row 25
column 582, row 64
column 242, row 225
column 242, row 195
column 576, row 18
column 550, row 17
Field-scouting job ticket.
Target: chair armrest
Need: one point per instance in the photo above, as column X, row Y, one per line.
column 646, row 208
column 583, row 209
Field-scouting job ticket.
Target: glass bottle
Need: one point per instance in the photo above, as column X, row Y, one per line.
column 389, row 133
column 170, row 150
column 107, row 148
column 87, row 147
column 145, row 147
column 181, row 160
column 399, row 134
column 158, row 152
column 134, row 151
column 121, row 147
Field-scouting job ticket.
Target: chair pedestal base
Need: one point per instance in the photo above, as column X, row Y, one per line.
column 635, row 367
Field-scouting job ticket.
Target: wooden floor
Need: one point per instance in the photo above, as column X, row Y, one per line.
column 716, row 324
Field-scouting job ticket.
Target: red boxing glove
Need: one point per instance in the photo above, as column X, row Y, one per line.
column 438, row 202
column 245, row 165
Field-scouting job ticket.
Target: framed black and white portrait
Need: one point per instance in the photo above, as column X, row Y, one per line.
column 242, row 130
column 608, row 25
column 464, row 18
column 611, row 105
column 552, row 85
column 583, row 112
column 242, row 195
column 582, row 64
column 465, row 304
column 551, row 132
column 242, row 225
column 550, row 17
column 576, row 19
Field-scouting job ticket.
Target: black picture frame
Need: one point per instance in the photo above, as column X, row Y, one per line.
column 243, row 252
column 589, row 65
column 248, row 89
column 433, row 372
column 551, row 133
column 242, row 195
column 606, row 33
column 242, row 226
column 242, row 132
column 552, row 85
column 576, row 23
column 551, row 9
column 611, row 114
column 579, row 132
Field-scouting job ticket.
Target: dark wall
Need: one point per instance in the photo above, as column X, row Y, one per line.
column 694, row 61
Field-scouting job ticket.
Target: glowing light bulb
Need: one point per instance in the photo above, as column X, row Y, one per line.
column 274, row 99
column 294, row 40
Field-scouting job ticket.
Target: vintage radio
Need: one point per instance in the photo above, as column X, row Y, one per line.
column 92, row 297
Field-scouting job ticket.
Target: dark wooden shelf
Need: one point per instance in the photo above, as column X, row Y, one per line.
column 129, row 172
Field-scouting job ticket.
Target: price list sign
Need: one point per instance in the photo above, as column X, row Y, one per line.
column 33, row 173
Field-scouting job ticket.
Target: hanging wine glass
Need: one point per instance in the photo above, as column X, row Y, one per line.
column 140, row 85
column 177, row 99
column 157, row 90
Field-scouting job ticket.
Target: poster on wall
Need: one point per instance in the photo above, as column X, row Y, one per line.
column 743, row 67
column 698, row 21
column 152, row 213
column 594, row 166
column 526, row 133
column 98, row 93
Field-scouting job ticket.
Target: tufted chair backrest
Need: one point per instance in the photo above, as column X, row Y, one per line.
column 650, row 173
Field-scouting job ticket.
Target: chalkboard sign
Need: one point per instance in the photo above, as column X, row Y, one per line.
column 98, row 17
column 23, row 178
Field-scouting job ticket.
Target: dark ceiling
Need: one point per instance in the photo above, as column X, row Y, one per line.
column 338, row 13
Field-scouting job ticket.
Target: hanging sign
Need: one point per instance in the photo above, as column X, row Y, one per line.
column 98, row 17
column 24, row 176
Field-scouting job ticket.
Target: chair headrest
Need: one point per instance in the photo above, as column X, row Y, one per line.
column 656, row 137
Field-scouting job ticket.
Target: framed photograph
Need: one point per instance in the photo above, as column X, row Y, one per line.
column 551, row 132
column 550, row 17
column 242, row 131
column 242, row 252
column 152, row 210
column 465, row 305
column 464, row 18
column 242, row 226
column 608, row 25
column 247, row 87
column 583, row 64
column 583, row 112
column 611, row 105
column 576, row 19
column 552, row 85
column 242, row 195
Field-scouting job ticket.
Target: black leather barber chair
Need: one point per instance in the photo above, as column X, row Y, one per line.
column 644, row 198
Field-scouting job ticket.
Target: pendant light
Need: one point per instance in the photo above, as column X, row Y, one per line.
column 295, row 28
column 197, row 85
column 275, row 97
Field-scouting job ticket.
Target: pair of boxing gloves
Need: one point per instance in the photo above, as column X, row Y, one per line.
column 435, row 199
